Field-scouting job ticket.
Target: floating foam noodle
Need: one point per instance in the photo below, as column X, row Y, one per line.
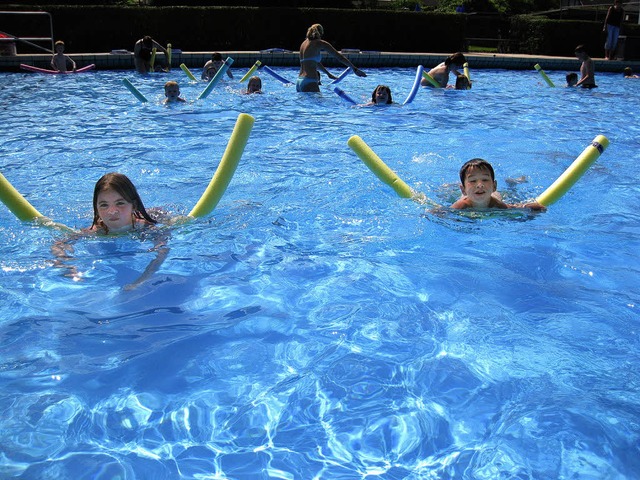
column 544, row 75
column 341, row 76
column 572, row 174
column 186, row 70
column 344, row 96
column 169, row 54
column 431, row 80
column 465, row 68
column 223, row 174
column 21, row 208
column 154, row 50
column 134, row 90
column 275, row 75
column 216, row 78
column 378, row 167
column 416, row 85
column 251, row 70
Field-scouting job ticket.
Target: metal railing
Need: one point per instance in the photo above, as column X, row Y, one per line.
column 11, row 37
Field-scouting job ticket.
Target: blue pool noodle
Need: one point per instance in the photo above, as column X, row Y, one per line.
column 416, row 85
column 275, row 75
column 216, row 78
column 344, row 96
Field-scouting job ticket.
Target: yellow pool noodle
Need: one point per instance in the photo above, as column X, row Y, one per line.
column 465, row 68
column 19, row 205
column 21, row 208
column 377, row 166
column 186, row 70
column 230, row 159
column 431, row 80
column 251, row 70
column 154, row 50
column 572, row 174
column 544, row 75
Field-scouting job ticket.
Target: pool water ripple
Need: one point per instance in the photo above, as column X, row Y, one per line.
column 315, row 325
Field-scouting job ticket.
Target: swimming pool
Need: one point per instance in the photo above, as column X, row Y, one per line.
column 316, row 325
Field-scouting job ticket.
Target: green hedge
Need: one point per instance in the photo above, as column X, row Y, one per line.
column 541, row 36
column 104, row 28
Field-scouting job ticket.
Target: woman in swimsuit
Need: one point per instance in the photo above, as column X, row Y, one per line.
column 311, row 56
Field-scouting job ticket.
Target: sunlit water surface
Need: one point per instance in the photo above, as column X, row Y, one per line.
column 316, row 325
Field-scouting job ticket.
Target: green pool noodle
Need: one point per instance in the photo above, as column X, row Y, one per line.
column 186, row 70
column 431, row 80
column 544, row 75
column 134, row 90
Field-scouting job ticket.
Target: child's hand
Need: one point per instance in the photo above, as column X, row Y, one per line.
column 535, row 206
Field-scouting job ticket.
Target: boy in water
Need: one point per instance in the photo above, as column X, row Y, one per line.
column 572, row 79
column 587, row 71
column 212, row 66
column 172, row 92
column 478, row 187
column 59, row 61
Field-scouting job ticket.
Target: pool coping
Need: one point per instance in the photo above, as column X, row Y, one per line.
column 120, row 60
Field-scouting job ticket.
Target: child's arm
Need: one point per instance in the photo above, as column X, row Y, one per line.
column 535, row 206
column 322, row 68
column 70, row 60
column 462, row 203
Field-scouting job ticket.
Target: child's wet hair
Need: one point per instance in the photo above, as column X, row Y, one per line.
column 479, row 163
column 120, row 184
column 384, row 87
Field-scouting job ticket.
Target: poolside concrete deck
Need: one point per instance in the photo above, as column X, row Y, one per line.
column 364, row 59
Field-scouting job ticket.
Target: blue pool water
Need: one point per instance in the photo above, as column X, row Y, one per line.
column 315, row 325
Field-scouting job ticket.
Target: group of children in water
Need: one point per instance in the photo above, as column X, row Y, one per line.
column 118, row 207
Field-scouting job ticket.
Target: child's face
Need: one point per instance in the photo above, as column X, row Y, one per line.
column 59, row 48
column 478, row 186
column 254, row 85
column 382, row 96
column 172, row 92
column 114, row 211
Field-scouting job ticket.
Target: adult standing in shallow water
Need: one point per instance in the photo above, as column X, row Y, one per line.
column 311, row 56
column 441, row 73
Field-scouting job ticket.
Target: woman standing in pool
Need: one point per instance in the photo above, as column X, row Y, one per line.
column 441, row 73
column 311, row 56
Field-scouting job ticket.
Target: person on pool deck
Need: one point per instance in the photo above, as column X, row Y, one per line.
column 212, row 66
column 117, row 208
column 172, row 92
column 587, row 71
column 311, row 56
column 572, row 79
column 612, row 25
column 60, row 61
column 142, row 52
column 254, row 85
column 441, row 73
column 381, row 95
column 478, row 186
